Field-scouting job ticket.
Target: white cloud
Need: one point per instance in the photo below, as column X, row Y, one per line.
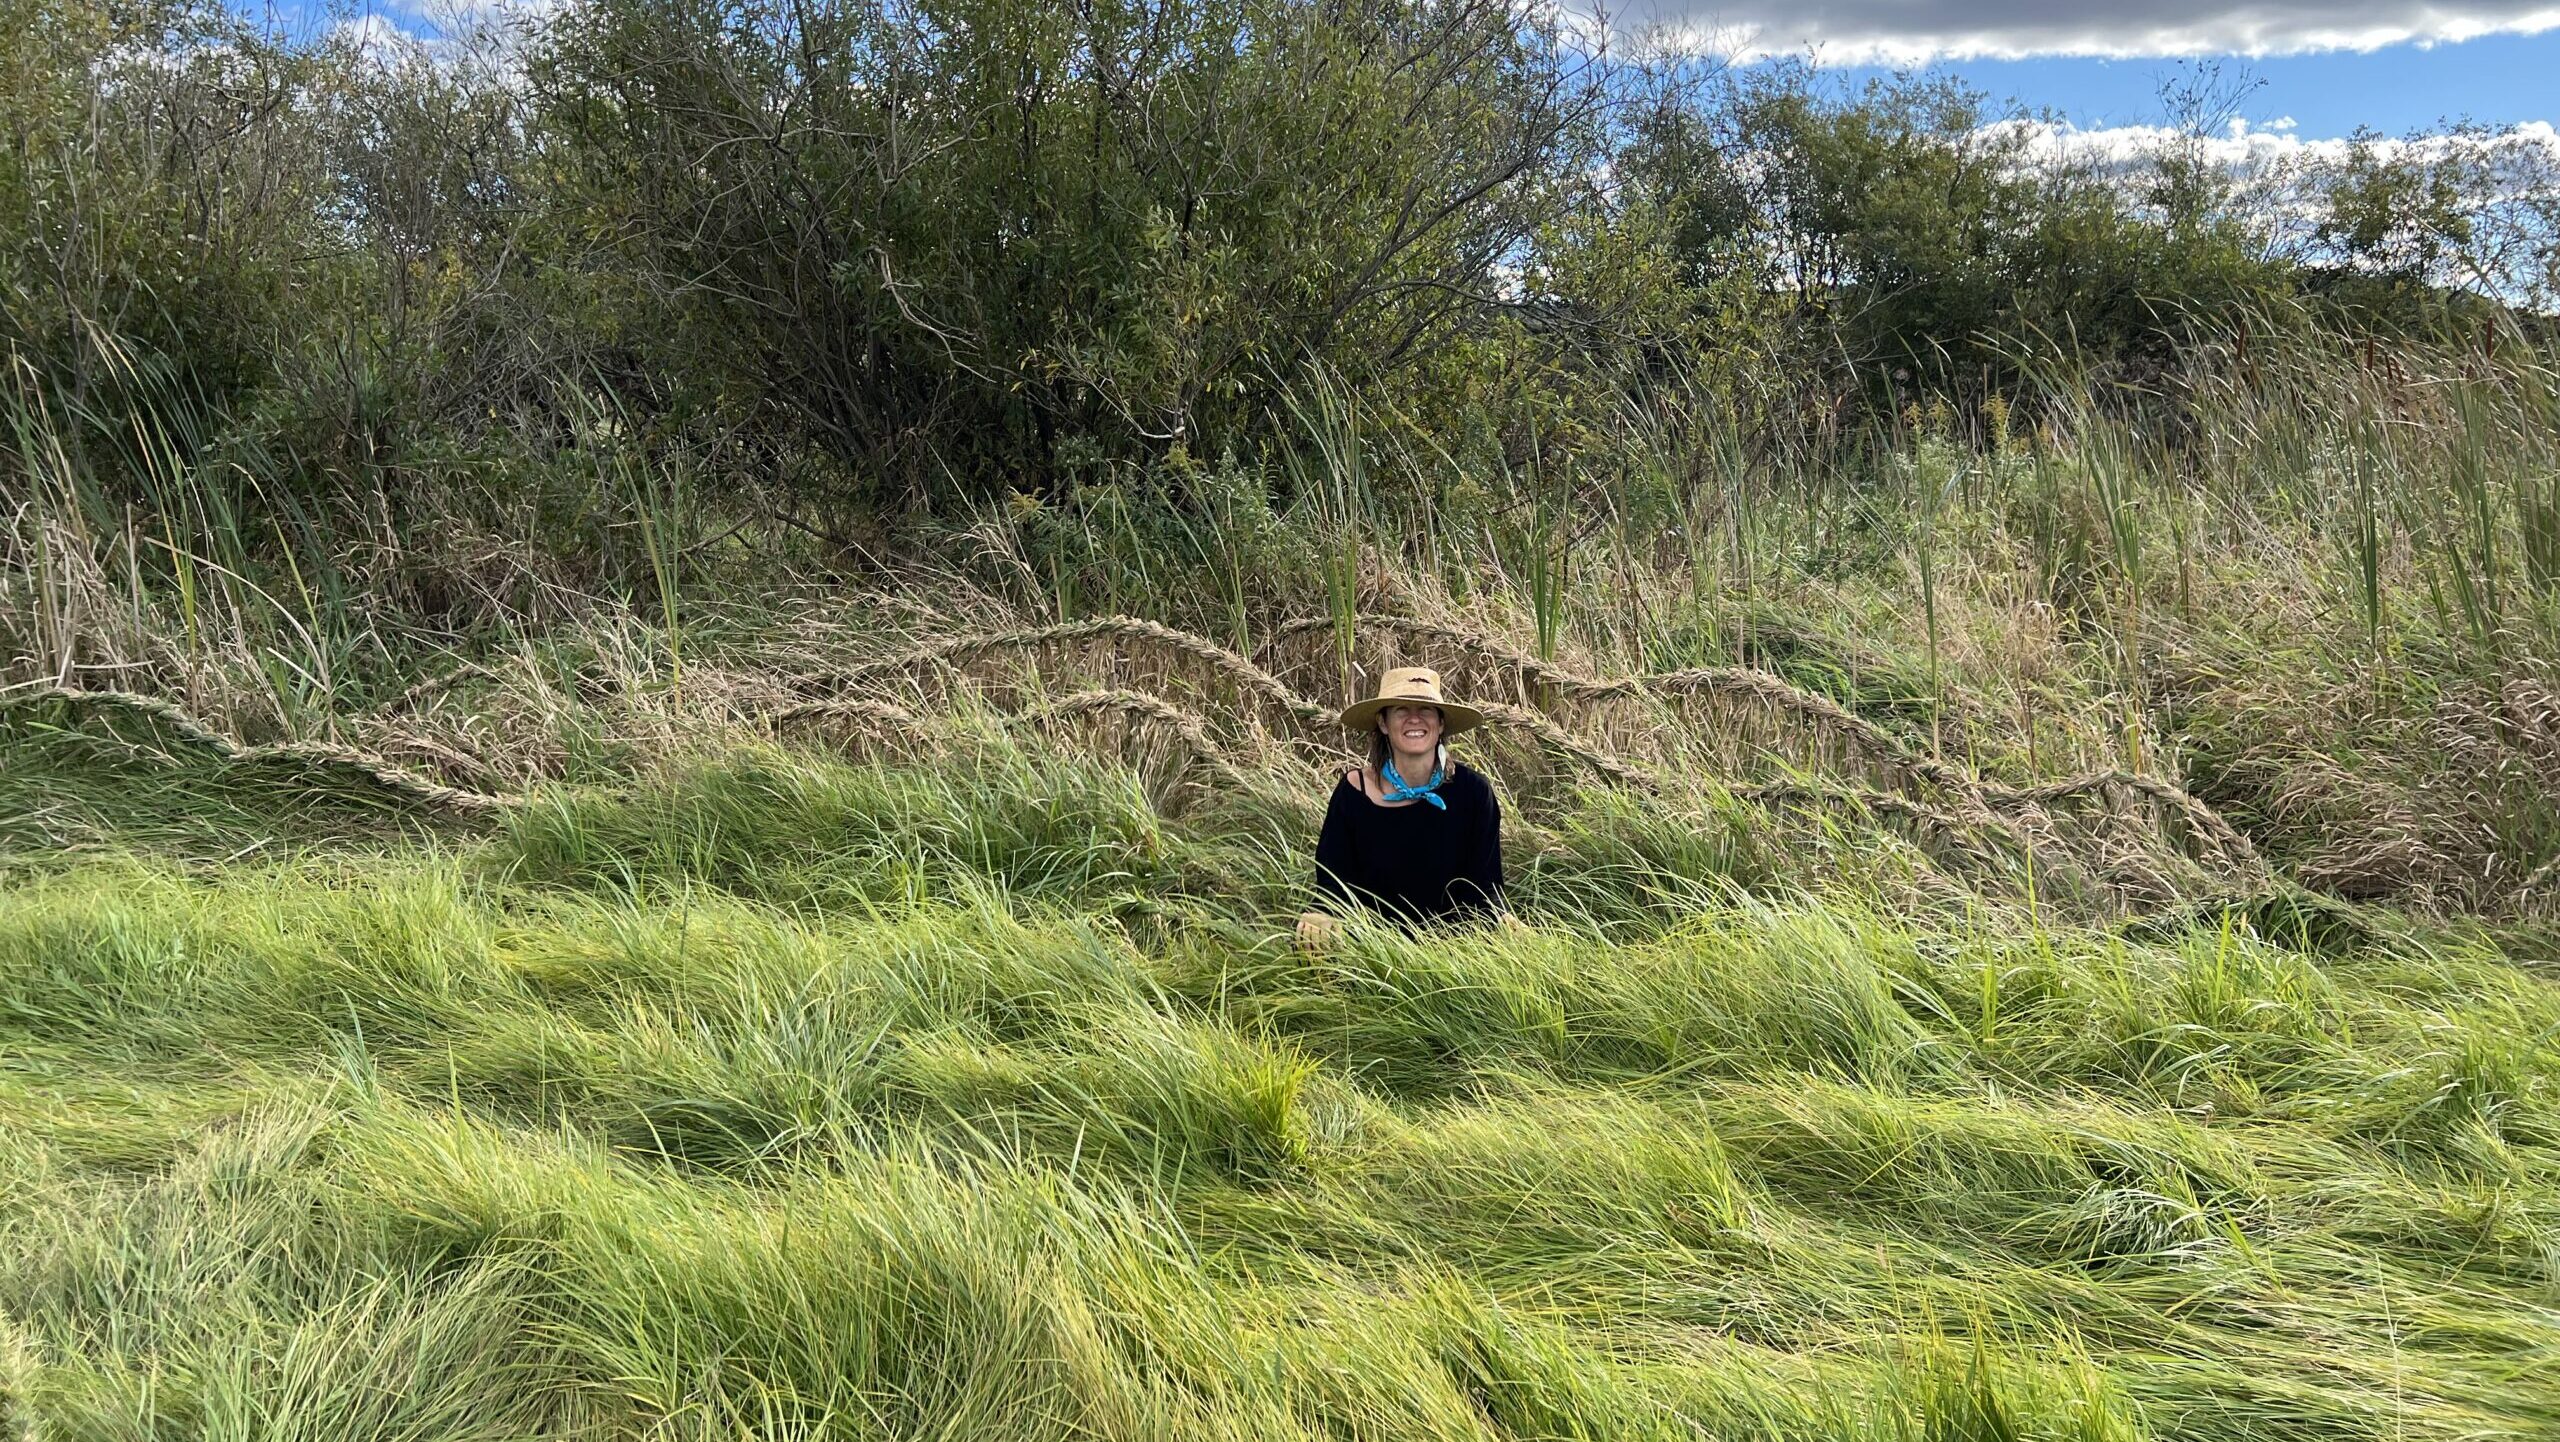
column 1916, row 32
column 380, row 40
column 481, row 38
column 2241, row 147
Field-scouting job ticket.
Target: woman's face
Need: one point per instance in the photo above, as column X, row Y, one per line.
column 1411, row 730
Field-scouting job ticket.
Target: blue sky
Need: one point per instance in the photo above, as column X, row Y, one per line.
column 2328, row 65
column 2499, row 80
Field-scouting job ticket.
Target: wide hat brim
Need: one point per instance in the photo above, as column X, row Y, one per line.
column 1455, row 716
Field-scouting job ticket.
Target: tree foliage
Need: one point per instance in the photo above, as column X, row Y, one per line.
column 1919, row 234
column 971, row 240
column 860, row 258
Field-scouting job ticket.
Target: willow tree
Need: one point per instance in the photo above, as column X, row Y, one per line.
column 962, row 244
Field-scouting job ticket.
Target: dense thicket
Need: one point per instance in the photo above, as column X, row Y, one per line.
column 975, row 244
column 847, row 259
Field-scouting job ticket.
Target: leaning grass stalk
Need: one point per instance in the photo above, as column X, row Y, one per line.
column 320, row 756
column 1140, row 706
column 1126, row 629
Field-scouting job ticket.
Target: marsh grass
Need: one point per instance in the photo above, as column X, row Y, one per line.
column 934, row 1063
column 488, row 1146
column 2304, row 590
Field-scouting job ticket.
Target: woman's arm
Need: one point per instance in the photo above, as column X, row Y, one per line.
column 1316, row 925
column 1334, row 859
column 1479, row 880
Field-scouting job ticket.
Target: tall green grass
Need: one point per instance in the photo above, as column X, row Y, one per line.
column 631, row 1119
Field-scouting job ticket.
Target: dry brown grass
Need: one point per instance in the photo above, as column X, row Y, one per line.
column 2139, row 838
column 859, row 725
column 1943, row 835
column 1207, row 656
column 2133, row 853
column 853, row 708
column 1834, row 732
column 2369, row 796
column 2212, row 835
column 1140, row 707
column 1833, row 737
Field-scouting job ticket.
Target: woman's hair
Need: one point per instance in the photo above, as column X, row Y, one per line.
column 1381, row 751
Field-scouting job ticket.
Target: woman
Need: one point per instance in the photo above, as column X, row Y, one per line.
column 1409, row 834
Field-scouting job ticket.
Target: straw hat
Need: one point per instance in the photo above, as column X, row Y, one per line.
column 1412, row 686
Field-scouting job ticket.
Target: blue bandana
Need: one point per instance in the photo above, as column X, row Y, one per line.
column 1398, row 791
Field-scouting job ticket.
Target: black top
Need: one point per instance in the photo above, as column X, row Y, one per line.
column 1415, row 862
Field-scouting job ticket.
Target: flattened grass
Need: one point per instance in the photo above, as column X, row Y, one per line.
column 634, row 1122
